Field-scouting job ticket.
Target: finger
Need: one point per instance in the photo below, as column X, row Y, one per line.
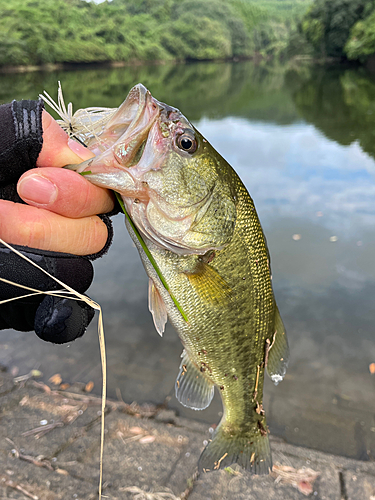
column 64, row 192
column 58, row 150
column 38, row 228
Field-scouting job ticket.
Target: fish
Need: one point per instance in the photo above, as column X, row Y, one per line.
column 203, row 248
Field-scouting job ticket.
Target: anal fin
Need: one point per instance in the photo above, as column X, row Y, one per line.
column 278, row 355
column 193, row 388
column 157, row 308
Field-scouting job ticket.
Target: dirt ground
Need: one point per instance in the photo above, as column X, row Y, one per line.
column 50, row 441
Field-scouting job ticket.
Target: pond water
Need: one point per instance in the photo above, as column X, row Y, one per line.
column 303, row 141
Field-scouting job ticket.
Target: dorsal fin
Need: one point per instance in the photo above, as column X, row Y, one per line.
column 278, row 355
column 157, row 308
column 193, row 388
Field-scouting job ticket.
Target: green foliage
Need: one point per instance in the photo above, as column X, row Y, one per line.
column 361, row 42
column 274, row 29
column 298, row 46
column 328, row 23
column 79, row 31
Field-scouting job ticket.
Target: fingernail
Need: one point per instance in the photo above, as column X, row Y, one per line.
column 37, row 190
column 77, row 148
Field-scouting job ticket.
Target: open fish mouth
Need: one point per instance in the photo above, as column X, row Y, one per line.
column 135, row 139
column 141, row 139
column 121, row 142
column 140, row 112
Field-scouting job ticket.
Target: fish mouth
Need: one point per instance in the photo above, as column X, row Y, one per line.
column 121, row 143
column 141, row 134
column 140, row 112
column 136, row 137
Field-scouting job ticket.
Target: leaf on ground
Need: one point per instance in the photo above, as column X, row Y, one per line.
column 147, row 439
column 301, row 479
column 136, row 430
column 89, row 386
column 55, row 379
column 140, row 494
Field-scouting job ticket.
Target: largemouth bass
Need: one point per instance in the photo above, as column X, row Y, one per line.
column 201, row 228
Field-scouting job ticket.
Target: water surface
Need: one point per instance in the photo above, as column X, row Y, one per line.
column 303, row 143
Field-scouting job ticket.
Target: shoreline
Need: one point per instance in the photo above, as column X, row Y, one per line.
column 79, row 65
column 69, row 66
column 101, row 64
column 256, row 58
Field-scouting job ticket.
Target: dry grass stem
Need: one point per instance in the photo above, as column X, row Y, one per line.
column 39, row 461
column 69, row 292
column 5, row 481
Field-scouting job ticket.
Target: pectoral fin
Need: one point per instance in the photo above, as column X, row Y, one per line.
column 193, row 388
column 157, row 308
column 278, row 355
column 209, row 285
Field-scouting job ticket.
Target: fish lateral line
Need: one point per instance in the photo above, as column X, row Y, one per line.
column 260, row 410
column 259, row 407
column 150, row 257
column 263, row 430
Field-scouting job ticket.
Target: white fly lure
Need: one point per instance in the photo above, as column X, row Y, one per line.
column 84, row 125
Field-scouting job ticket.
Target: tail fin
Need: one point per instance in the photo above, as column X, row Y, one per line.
column 251, row 451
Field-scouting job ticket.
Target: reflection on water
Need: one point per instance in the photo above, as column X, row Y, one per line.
column 303, row 143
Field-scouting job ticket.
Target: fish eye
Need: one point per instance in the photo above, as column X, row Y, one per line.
column 187, row 142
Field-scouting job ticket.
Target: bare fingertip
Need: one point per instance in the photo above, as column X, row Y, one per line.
column 37, row 190
column 79, row 149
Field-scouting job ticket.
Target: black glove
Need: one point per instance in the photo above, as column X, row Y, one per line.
column 54, row 319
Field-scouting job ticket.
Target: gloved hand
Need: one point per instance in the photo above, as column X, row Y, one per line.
column 60, row 223
column 53, row 319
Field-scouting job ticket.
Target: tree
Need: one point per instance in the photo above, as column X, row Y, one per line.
column 361, row 43
column 327, row 24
